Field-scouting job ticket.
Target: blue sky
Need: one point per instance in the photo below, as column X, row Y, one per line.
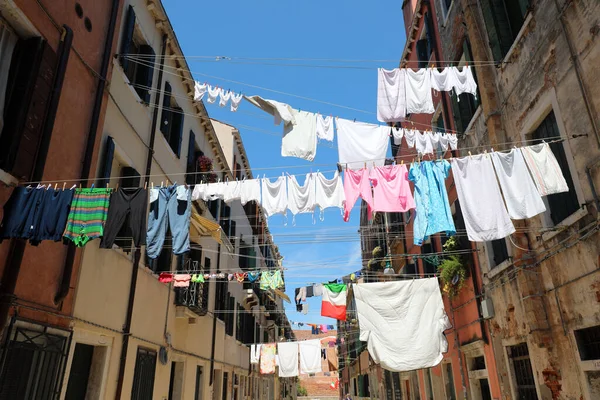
column 334, row 30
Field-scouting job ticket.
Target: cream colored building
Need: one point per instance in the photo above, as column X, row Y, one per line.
column 181, row 343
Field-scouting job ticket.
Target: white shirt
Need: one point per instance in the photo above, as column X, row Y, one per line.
column 520, row 194
column 213, row 93
column 225, row 96
column 444, row 80
column 325, row 127
column 250, row 191
column 199, row 90
column 274, row 196
column 236, row 99
column 464, row 81
column 232, row 191
column 398, row 134
column 483, row 210
column 360, row 143
column 329, row 192
column 403, row 323
column 418, row 92
column 301, row 199
column 300, row 139
column 281, row 111
column 391, row 95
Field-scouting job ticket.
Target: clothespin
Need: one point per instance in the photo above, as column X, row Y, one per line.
column 107, row 185
column 64, row 184
column 145, row 185
column 74, row 186
column 117, row 187
column 162, row 183
column 55, row 186
column 402, row 162
column 470, row 154
column 80, row 186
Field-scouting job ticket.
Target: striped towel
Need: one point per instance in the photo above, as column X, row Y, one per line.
column 89, row 209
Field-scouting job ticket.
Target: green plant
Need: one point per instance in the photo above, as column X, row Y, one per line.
column 452, row 269
column 378, row 252
column 301, row 390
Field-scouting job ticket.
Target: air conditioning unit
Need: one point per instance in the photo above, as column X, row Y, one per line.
column 487, row 308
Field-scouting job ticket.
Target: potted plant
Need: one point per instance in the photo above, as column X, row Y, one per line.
column 204, row 164
column 452, row 270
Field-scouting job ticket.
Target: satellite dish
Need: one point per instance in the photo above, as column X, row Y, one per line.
column 163, row 357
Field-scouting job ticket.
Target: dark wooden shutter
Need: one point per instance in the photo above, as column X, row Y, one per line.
column 143, row 375
column 524, row 6
column 107, row 160
column 145, row 73
column 422, row 53
column 127, row 37
column 498, row 27
column 429, row 34
column 191, row 159
column 166, row 115
column 31, row 78
column 178, row 131
column 130, row 178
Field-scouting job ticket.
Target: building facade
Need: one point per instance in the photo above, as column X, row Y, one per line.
column 55, row 60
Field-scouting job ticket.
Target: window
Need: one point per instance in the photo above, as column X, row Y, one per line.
column 27, row 75
column 193, row 176
column 221, row 299
column 163, row 262
column 33, row 364
column 199, row 378
column 85, row 376
column 230, row 315
column 560, row 205
column 465, row 105
column 503, row 21
column 137, row 58
column 224, row 391
column 522, row 372
column 588, row 343
column 430, row 262
column 171, row 123
column 143, row 375
column 499, row 252
column 449, row 381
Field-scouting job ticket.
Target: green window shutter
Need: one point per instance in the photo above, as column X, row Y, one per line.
column 127, row 36
column 146, row 73
column 498, row 27
column 109, row 153
column 167, row 115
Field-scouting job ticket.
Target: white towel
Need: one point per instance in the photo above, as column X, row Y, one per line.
column 300, row 139
column 360, row 143
column 329, row 192
column 325, row 127
column 254, row 353
column 310, row 356
column 287, row 353
column 403, row 323
column 545, row 169
column 301, row 199
column 418, row 92
column 250, row 191
column 274, row 196
column 483, row 210
column 391, row 95
column 520, row 194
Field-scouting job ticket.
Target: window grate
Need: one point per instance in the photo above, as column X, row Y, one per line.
column 523, row 373
column 588, row 342
column 143, row 378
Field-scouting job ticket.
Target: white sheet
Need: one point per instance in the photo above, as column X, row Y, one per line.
column 402, row 322
column 418, row 92
column 287, row 353
column 391, row 95
column 254, row 353
column 310, row 356
column 360, row 143
column 544, row 169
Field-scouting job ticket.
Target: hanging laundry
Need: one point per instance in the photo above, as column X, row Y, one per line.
column 253, row 276
column 181, row 280
column 300, row 139
column 433, row 209
column 397, row 134
column 544, row 169
column 330, row 327
column 240, row 277
column 197, row 278
column 309, row 291
column 310, row 356
column 300, row 294
column 169, row 205
column 334, row 301
column 423, row 143
column 318, row 290
column 391, row 190
column 301, row 199
column 88, row 213
column 250, row 191
column 236, row 99
column 403, row 323
column 359, row 142
column 356, row 183
column 214, row 191
column 464, row 82
column 411, row 137
column 271, row 280
column 165, row 277
column 418, row 91
column 288, row 359
column 124, row 202
column 323, row 328
column 483, row 210
column 391, row 95
column 323, row 354
column 267, row 358
column 274, row 196
column 520, row 194
column 232, row 190
column 444, row 80
column 329, row 192
column 213, row 93
column 255, row 353
column 281, row 111
column 225, row 96
column 325, row 127
column 199, row 90
column 448, row 140
column 305, row 308
column 332, row 359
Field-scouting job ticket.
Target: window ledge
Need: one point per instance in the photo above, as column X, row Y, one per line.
column 7, row 178
column 473, row 120
column 518, row 38
column 564, row 224
column 136, row 96
column 498, row 269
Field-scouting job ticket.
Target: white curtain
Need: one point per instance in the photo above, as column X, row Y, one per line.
column 8, row 40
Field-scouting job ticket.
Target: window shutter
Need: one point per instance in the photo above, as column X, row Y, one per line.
column 524, row 6
column 456, row 114
column 127, row 36
column 422, row 53
column 109, row 153
column 167, row 115
column 179, row 131
column 429, row 34
column 191, row 159
column 130, row 178
column 497, row 27
column 146, row 73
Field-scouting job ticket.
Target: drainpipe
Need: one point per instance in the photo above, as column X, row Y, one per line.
column 65, row 281
column 17, row 247
column 138, row 252
column 214, row 325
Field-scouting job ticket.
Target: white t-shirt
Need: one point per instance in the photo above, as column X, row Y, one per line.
column 325, row 127
column 301, row 199
column 360, row 143
column 274, row 196
column 250, row 190
column 391, row 95
column 300, row 140
column 483, row 210
column 520, row 194
column 418, row 91
column 330, row 192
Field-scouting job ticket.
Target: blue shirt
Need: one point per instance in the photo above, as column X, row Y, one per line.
column 433, row 208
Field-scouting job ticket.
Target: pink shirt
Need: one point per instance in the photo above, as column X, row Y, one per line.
column 391, row 190
column 356, row 183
